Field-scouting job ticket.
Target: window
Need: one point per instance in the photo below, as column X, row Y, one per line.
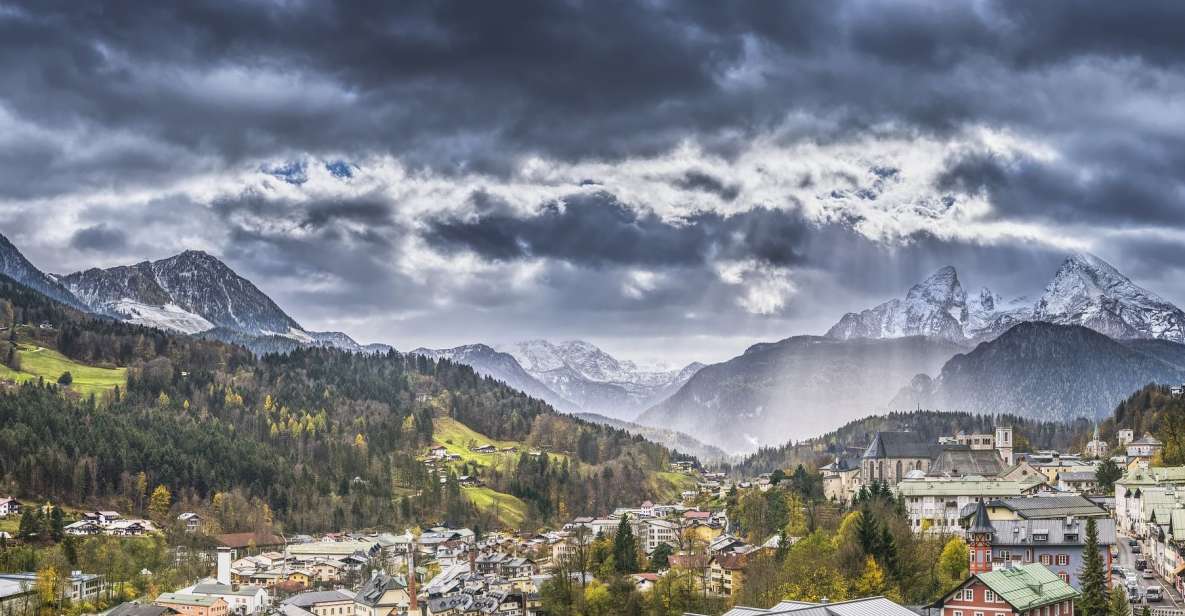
column 1063, row 559
column 1046, row 559
column 989, row 596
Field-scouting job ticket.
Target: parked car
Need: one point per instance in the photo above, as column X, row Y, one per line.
column 1137, row 549
column 1116, row 570
column 1133, row 593
column 1147, row 574
column 1153, row 594
column 1131, row 543
column 1141, row 564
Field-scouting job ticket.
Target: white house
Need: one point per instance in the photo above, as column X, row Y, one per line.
column 9, row 506
column 241, row 600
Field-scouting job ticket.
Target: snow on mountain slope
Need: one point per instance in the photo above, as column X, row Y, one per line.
column 14, row 265
column 169, row 316
column 935, row 307
column 194, row 292
column 1090, row 292
column 596, row 381
column 1086, row 290
column 500, row 366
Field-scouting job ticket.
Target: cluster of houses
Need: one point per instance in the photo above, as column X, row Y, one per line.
column 109, row 523
column 1150, row 507
column 1031, row 590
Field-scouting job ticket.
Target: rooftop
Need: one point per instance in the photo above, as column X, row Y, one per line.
column 1027, row 587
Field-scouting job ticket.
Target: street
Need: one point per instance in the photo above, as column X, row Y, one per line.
column 1127, row 561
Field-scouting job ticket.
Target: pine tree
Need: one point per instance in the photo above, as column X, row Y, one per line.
column 1093, row 578
column 625, row 547
column 1118, row 603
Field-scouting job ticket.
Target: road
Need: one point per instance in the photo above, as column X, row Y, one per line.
column 1127, row 560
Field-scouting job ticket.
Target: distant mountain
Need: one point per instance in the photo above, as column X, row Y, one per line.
column 14, row 265
column 500, row 366
column 595, row 381
column 194, row 292
column 1047, row 371
column 677, row 441
column 1090, row 292
column 1085, row 291
column 794, row 389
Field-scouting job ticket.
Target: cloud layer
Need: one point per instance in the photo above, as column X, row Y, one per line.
column 689, row 177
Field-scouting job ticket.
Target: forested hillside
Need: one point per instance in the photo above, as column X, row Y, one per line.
column 929, row 425
column 316, row 439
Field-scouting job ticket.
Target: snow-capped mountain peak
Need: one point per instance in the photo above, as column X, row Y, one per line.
column 1086, row 290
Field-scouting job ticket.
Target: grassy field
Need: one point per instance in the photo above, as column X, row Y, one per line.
column 49, row 364
column 669, row 485
column 456, row 438
column 10, row 524
column 510, row 510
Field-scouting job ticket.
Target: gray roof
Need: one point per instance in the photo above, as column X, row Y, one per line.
column 309, row 599
column 982, row 523
column 140, row 609
column 1077, row 476
column 460, row 601
column 959, row 461
column 1051, row 506
column 900, row 445
column 1020, row 532
column 373, row 590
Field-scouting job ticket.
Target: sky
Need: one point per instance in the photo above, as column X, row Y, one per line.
column 669, row 180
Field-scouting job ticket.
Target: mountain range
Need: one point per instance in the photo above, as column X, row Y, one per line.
column 573, row 376
column 1091, row 337
column 1085, row 290
column 191, row 293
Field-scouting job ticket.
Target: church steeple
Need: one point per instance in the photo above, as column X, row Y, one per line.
column 979, row 540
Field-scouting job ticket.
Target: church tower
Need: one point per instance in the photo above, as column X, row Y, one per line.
column 979, row 540
column 1004, row 444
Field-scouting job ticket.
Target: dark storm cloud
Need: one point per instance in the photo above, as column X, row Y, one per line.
column 598, row 230
column 1142, row 190
column 563, row 79
column 101, row 238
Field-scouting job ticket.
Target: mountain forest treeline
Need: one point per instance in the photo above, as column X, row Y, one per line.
column 316, row 439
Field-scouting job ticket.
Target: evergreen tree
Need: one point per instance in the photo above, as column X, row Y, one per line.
column 1107, row 474
column 1118, row 603
column 57, row 524
column 625, row 547
column 1093, row 601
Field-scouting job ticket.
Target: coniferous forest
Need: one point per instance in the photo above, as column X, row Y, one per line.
column 315, row 439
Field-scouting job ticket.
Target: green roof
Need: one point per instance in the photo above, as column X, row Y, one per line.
column 1028, row 586
column 180, row 599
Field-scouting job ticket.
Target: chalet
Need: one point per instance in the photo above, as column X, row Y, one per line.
column 487, row 448
column 1027, row 589
column 645, row 581
column 192, row 521
column 382, row 595
column 9, row 506
column 439, row 452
